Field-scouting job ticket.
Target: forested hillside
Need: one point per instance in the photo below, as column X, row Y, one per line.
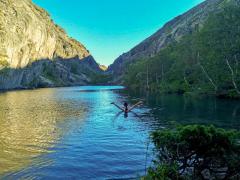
column 205, row 61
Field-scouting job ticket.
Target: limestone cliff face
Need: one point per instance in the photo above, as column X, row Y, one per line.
column 171, row 32
column 27, row 34
column 35, row 52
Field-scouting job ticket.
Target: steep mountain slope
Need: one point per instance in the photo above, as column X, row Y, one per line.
column 172, row 32
column 205, row 61
column 28, row 35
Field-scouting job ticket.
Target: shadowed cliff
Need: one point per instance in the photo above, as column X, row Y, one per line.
column 47, row 73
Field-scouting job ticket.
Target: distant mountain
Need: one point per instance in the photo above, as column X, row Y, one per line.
column 103, row 67
column 32, row 46
column 172, row 31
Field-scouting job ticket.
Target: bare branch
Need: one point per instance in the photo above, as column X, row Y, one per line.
column 207, row 75
column 233, row 77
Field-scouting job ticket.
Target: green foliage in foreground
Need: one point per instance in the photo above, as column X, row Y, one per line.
column 195, row 152
column 204, row 62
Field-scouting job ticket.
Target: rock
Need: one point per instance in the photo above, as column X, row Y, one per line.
column 28, row 34
column 47, row 73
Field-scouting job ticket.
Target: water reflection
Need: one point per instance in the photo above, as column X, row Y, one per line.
column 29, row 125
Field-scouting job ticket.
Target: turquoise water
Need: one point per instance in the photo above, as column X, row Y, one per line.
column 75, row 133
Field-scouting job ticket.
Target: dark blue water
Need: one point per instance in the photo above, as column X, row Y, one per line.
column 75, row 133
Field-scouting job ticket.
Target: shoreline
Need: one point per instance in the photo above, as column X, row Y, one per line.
column 2, row 91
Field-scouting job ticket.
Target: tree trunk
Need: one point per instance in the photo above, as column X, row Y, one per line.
column 162, row 73
column 233, row 77
column 147, row 78
column 206, row 74
column 157, row 78
column 185, row 80
column 236, row 68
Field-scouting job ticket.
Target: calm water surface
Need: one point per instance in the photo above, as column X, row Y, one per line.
column 76, row 133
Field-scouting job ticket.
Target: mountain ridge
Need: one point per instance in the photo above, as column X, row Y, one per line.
column 172, row 31
column 205, row 61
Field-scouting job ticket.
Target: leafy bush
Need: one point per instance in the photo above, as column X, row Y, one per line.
column 194, row 152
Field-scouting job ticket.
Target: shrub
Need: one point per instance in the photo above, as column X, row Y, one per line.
column 195, row 151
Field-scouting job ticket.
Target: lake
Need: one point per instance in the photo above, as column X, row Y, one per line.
column 76, row 133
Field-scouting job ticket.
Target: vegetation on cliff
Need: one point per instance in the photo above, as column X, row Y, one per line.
column 195, row 152
column 204, row 62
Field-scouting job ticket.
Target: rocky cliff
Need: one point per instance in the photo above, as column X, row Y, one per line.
column 28, row 35
column 171, row 32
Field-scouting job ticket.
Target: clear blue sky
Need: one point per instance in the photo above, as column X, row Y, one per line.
column 109, row 28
